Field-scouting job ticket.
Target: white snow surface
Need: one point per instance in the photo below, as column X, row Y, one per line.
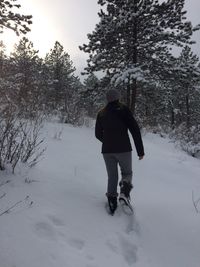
column 67, row 224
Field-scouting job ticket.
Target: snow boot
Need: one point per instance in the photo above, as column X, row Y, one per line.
column 125, row 189
column 112, row 202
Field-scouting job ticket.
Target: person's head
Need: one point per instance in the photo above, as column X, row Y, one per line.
column 112, row 95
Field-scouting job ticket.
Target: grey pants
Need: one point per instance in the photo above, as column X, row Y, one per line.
column 125, row 163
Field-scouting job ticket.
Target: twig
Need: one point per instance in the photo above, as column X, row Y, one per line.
column 195, row 202
column 8, row 181
column 16, row 204
column 2, row 195
column 9, row 209
column 28, row 181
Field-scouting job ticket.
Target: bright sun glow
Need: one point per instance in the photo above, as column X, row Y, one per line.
column 9, row 38
column 43, row 33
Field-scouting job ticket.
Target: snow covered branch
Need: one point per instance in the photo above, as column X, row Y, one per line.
column 10, row 19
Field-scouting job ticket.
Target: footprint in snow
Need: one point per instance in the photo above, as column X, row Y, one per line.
column 45, row 230
column 112, row 246
column 76, row 243
column 90, row 257
column 129, row 251
column 55, row 220
column 132, row 225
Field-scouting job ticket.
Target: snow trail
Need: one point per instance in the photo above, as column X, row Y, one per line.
column 67, row 225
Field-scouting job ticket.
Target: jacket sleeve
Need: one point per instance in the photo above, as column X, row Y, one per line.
column 98, row 129
column 135, row 132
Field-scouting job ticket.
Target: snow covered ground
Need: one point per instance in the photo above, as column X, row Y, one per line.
column 63, row 222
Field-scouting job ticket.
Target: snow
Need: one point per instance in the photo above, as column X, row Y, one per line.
column 67, row 225
column 126, row 74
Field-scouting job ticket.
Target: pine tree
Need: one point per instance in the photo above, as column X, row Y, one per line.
column 62, row 81
column 90, row 94
column 174, row 100
column 25, row 73
column 3, row 59
column 133, row 39
column 4, row 84
column 187, row 76
column 61, row 74
column 73, row 110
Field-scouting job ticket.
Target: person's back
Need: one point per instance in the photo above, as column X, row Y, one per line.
column 115, row 130
column 112, row 125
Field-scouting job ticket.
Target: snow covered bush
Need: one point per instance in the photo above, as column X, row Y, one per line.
column 20, row 139
column 73, row 115
column 188, row 139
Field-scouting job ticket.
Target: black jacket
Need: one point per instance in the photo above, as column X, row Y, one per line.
column 112, row 125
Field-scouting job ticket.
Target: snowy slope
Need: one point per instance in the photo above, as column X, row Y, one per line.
column 67, row 226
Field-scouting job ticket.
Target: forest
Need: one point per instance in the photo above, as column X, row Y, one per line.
column 132, row 47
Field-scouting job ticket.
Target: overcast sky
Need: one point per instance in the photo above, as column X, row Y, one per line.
column 69, row 22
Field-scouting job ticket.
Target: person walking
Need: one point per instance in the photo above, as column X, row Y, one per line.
column 112, row 125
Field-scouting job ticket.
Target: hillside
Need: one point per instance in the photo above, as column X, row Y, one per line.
column 63, row 222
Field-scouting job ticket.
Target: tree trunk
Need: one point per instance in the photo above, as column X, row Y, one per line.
column 172, row 119
column 134, row 59
column 187, row 111
column 133, row 95
column 128, row 96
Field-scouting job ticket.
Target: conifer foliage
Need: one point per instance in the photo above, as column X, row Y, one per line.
column 133, row 45
column 133, row 39
column 90, row 95
column 11, row 19
column 25, row 65
column 63, row 85
column 32, row 88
